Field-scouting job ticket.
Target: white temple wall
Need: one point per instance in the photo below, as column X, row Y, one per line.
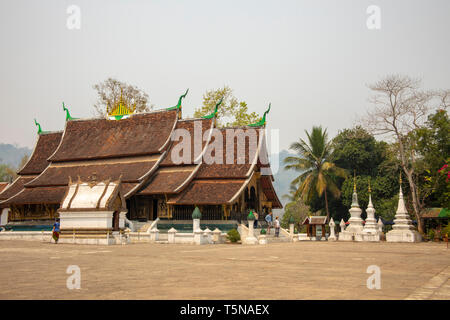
column 4, row 217
column 87, row 220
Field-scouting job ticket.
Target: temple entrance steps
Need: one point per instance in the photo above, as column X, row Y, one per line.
column 141, row 226
column 271, row 237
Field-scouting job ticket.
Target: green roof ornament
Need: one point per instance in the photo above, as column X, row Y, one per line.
column 250, row 216
column 178, row 106
column 196, row 214
column 291, row 220
column 214, row 114
column 68, row 116
column 261, row 122
column 39, row 126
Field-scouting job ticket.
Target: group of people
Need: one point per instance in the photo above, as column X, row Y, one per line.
column 270, row 223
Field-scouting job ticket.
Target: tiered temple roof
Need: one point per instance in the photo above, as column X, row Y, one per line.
column 137, row 151
column 45, row 146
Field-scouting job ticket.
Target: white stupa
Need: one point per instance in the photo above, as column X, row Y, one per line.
column 371, row 231
column 403, row 230
column 355, row 227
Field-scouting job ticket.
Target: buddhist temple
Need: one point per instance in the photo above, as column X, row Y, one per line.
column 162, row 161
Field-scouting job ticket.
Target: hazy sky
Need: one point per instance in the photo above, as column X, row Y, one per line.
column 311, row 59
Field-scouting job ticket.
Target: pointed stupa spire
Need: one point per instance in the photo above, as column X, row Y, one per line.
column 401, row 208
column 370, row 196
column 355, row 195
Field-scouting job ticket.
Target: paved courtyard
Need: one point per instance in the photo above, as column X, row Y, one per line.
column 304, row 270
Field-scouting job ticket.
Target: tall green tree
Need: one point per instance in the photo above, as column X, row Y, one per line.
column 318, row 173
column 400, row 106
column 433, row 146
column 357, row 150
column 232, row 112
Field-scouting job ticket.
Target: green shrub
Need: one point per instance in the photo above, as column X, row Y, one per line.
column 263, row 231
column 446, row 230
column 233, row 235
column 430, row 234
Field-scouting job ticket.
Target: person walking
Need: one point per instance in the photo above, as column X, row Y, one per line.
column 55, row 231
column 255, row 223
column 268, row 219
column 277, row 227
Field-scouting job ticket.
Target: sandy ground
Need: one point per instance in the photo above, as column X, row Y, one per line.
column 303, row 270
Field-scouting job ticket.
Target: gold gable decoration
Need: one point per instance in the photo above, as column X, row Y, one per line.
column 121, row 110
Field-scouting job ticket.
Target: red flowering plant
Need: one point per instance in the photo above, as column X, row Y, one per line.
column 445, row 171
column 435, row 181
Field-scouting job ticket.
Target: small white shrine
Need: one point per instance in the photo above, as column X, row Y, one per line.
column 402, row 230
column 91, row 210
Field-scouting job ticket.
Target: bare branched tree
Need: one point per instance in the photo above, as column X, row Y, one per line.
column 109, row 92
column 399, row 108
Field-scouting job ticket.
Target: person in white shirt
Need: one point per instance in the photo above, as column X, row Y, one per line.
column 277, row 227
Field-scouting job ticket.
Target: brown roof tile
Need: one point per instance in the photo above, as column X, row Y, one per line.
column 48, row 195
column 187, row 125
column 167, row 180
column 59, row 175
column 208, row 192
column 15, row 187
column 141, row 134
column 269, row 191
column 45, row 146
column 3, row 185
column 242, row 160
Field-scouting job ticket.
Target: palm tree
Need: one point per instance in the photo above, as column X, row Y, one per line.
column 316, row 170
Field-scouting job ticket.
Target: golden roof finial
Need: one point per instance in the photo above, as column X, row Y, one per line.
column 354, row 180
column 400, row 177
column 121, row 109
column 370, row 190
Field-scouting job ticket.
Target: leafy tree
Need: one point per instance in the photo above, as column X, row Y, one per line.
column 297, row 209
column 400, row 107
column 7, row 174
column 433, row 145
column 357, row 150
column 231, row 112
column 317, row 172
column 110, row 91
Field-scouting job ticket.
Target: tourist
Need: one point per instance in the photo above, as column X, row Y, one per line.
column 56, row 230
column 255, row 223
column 268, row 219
column 277, row 227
